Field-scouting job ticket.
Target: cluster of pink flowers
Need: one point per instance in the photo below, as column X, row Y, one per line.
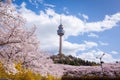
column 109, row 69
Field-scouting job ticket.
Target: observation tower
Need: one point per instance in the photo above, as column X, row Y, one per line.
column 60, row 33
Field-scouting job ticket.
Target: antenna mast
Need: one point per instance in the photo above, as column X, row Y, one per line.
column 60, row 19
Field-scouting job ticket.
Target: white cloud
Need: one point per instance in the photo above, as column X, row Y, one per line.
column 36, row 2
column 49, row 5
column 108, row 23
column 114, row 52
column 65, row 9
column 91, row 56
column 47, row 23
column 93, row 35
column 23, row 5
column 103, row 43
column 73, row 48
column 85, row 16
column 90, row 44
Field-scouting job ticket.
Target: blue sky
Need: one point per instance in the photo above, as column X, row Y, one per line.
column 92, row 27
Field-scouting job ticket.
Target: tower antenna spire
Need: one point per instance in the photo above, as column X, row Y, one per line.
column 60, row 19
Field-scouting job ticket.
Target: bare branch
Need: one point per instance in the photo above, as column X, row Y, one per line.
column 11, row 42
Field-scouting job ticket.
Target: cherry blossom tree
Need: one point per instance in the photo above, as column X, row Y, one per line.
column 20, row 45
column 16, row 43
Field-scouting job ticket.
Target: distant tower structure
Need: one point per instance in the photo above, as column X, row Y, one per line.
column 60, row 32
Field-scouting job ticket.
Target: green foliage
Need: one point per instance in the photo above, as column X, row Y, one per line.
column 70, row 60
column 23, row 74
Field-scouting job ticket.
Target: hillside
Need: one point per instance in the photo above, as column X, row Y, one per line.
column 70, row 60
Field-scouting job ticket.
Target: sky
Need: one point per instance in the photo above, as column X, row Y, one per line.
column 92, row 27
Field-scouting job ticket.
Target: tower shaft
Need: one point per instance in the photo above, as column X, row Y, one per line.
column 60, row 45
